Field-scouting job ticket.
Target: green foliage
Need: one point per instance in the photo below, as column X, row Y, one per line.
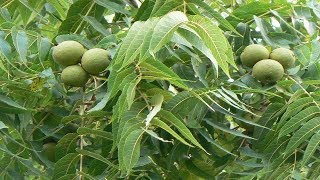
column 175, row 101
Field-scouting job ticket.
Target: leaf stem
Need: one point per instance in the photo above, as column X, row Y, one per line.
column 82, row 114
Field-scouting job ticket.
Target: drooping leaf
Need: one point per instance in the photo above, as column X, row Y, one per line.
column 267, row 119
column 208, row 137
column 196, row 41
column 167, row 128
column 294, row 123
column 227, row 130
column 96, row 25
column 172, row 119
column 313, row 144
column 294, row 108
column 214, row 39
column 305, row 132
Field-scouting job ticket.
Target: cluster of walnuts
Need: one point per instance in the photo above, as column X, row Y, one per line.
column 79, row 63
column 267, row 67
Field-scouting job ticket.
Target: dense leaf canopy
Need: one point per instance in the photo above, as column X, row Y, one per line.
column 175, row 102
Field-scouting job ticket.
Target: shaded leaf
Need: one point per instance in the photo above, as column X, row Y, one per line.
column 67, row 144
column 66, row 165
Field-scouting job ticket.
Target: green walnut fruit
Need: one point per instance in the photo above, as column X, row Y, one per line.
column 253, row 53
column 68, row 53
column 96, row 60
column 267, row 71
column 49, row 150
column 74, row 76
column 284, row 56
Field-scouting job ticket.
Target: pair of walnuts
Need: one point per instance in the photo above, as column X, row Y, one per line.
column 267, row 67
column 80, row 63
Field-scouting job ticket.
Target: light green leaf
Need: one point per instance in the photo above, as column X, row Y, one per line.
column 165, row 28
column 213, row 38
column 129, row 119
column 137, row 43
column 144, row 49
column 132, row 33
column 191, row 36
column 59, row 7
column 307, row 130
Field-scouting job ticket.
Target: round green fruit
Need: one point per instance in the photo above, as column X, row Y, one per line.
column 49, row 150
column 268, row 71
column 68, row 53
column 284, row 56
column 74, row 76
column 96, row 60
column 253, row 53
